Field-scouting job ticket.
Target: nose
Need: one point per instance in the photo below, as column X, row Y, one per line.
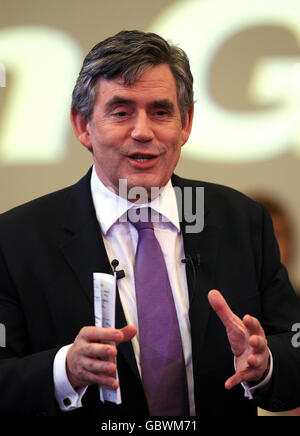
column 142, row 129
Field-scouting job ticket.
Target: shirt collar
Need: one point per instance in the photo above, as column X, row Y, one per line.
column 110, row 207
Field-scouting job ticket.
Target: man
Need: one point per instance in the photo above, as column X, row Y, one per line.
column 133, row 108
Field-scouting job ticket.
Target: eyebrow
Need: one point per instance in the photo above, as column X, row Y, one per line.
column 116, row 100
column 161, row 103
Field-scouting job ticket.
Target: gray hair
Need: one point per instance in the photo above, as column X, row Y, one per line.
column 128, row 54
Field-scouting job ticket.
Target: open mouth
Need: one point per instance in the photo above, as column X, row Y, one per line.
column 142, row 157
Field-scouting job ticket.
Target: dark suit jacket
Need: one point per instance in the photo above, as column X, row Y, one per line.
column 49, row 249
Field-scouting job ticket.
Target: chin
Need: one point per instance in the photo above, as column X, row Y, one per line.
column 144, row 184
column 142, row 181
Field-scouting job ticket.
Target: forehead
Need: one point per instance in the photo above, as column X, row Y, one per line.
column 157, row 81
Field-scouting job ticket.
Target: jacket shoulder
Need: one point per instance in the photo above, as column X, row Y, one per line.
column 217, row 195
column 39, row 206
column 47, row 208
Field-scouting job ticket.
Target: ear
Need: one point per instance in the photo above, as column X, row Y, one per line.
column 81, row 128
column 187, row 125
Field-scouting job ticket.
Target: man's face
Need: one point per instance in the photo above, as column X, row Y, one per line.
column 136, row 132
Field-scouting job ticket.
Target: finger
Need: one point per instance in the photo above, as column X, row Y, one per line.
column 107, row 381
column 244, row 376
column 98, row 351
column 99, row 367
column 253, row 326
column 128, row 332
column 88, row 378
column 99, row 334
column 256, row 361
column 111, row 382
column 236, row 379
column 251, row 374
column 220, row 306
column 259, row 344
column 259, row 361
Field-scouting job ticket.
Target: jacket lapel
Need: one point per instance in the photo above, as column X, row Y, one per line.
column 82, row 243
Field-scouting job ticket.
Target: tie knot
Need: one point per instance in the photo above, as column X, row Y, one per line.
column 141, row 219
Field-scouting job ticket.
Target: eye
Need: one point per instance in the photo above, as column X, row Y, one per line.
column 161, row 112
column 120, row 114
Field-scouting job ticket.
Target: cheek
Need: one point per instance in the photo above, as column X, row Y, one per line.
column 105, row 148
column 176, row 140
column 174, row 149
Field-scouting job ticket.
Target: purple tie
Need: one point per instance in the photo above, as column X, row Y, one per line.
column 161, row 355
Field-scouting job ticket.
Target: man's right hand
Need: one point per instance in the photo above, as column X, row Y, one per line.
column 89, row 359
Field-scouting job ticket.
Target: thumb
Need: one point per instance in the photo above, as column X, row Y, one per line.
column 129, row 332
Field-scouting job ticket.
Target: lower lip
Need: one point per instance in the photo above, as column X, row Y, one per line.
column 143, row 165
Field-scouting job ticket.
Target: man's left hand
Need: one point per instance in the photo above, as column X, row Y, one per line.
column 248, row 342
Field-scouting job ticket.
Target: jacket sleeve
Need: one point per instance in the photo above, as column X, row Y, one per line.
column 280, row 312
column 26, row 374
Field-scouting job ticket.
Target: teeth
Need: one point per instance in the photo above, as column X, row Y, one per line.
column 142, row 158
